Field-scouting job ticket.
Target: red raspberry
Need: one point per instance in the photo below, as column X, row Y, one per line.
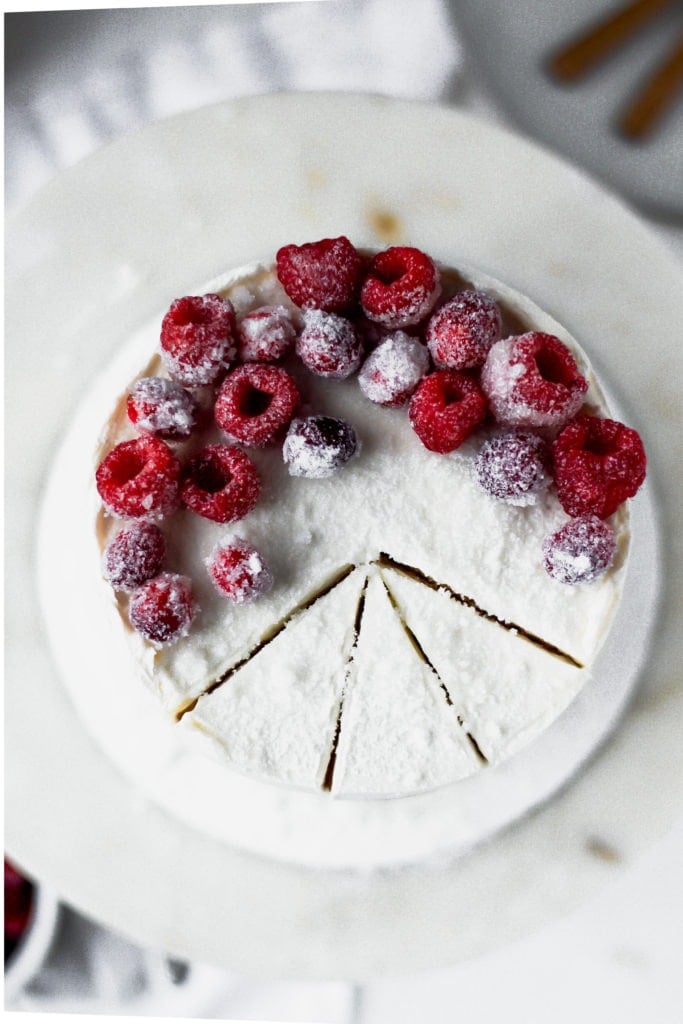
column 18, row 907
column 139, row 479
column 401, row 287
column 460, row 334
column 162, row 407
column 513, row 467
column 220, row 483
column 532, row 381
column 598, row 465
column 197, row 342
column 581, row 551
column 329, row 345
column 238, row 571
column 318, row 446
column 393, row 370
column 321, row 275
column 134, row 555
column 445, row 409
column 265, row 335
column 163, row 608
column 255, row 402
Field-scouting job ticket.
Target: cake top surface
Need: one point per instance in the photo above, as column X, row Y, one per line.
column 378, row 619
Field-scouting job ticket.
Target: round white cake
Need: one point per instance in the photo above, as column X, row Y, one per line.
column 412, row 637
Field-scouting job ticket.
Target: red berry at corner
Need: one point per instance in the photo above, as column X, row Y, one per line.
column 532, row 380
column 598, row 464
column 139, row 479
column 162, row 609
column 162, row 407
column 255, row 402
column 321, row 275
column 220, row 483
column 238, row 571
column 460, row 334
column 446, row 409
column 401, row 287
column 134, row 556
column 197, row 342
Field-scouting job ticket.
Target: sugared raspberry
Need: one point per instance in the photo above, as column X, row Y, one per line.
column 162, row 407
column 265, row 335
column 598, row 464
column 401, row 287
column 318, row 446
column 162, row 609
column 139, row 479
column 329, row 345
column 134, row 556
column 238, row 571
column 197, row 342
column 445, row 409
column 580, row 551
column 513, row 467
column 393, row 370
column 532, row 380
column 460, row 334
column 255, row 402
column 220, row 483
column 321, row 275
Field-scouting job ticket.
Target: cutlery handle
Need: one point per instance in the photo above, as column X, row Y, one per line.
column 656, row 95
column 601, row 39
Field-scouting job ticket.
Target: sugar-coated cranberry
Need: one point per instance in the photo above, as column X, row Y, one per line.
column 598, row 464
column 532, row 380
column 134, row 556
column 321, row 275
column 460, row 333
column 197, row 339
column 318, row 446
column 265, row 335
column 580, row 551
column 238, row 571
column 393, row 370
column 139, row 479
column 329, row 345
column 255, row 402
column 220, row 483
column 162, row 407
column 401, row 287
column 513, row 467
column 445, row 409
column 162, row 609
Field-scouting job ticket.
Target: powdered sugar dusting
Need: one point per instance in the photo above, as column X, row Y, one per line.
column 393, row 370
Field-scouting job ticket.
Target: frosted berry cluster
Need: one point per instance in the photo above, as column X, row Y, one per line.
column 389, row 320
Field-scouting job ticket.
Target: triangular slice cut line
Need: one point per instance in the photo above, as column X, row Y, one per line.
column 398, row 732
column 505, row 689
column 274, row 717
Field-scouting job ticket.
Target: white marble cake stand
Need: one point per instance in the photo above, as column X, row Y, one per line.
column 102, row 249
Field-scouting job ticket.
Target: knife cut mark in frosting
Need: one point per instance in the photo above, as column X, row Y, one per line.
column 328, row 777
column 268, row 637
column 420, row 651
column 386, row 561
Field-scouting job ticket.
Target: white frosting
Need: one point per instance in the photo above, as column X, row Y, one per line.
column 424, row 510
column 100, row 660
